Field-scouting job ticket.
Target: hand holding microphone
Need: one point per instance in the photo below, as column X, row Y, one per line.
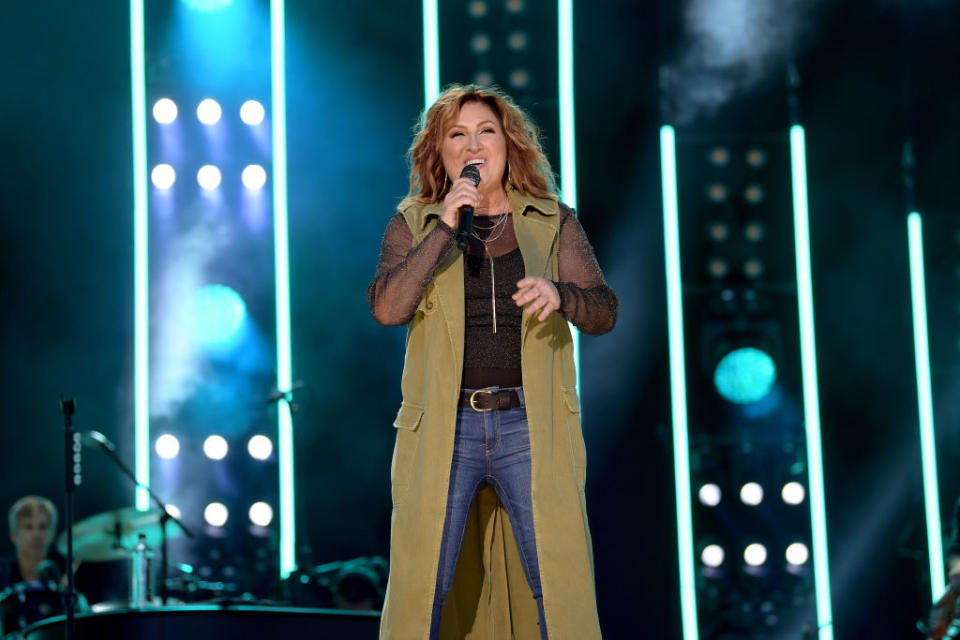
column 459, row 204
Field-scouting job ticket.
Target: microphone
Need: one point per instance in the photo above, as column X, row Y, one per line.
column 465, row 225
column 97, row 439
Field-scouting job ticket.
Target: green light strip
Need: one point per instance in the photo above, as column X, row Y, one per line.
column 568, row 153
column 928, row 443
column 811, row 400
column 288, row 542
column 678, row 386
column 141, row 282
column 431, row 52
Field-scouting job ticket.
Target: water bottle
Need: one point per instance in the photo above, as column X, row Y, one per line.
column 139, row 574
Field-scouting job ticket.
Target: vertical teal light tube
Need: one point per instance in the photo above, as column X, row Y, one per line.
column 288, row 542
column 811, row 398
column 568, row 150
column 928, row 442
column 431, row 52
column 678, row 383
column 141, row 282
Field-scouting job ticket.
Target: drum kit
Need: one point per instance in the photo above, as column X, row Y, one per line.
column 123, row 534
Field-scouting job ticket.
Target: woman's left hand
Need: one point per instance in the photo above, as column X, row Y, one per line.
column 540, row 293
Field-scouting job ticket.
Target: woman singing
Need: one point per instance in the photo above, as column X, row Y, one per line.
column 489, row 530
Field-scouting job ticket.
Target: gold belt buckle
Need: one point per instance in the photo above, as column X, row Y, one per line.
column 473, row 399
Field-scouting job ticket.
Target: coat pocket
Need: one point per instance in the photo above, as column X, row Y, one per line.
column 578, row 451
column 405, row 450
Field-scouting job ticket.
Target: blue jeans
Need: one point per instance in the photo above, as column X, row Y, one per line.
column 491, row 447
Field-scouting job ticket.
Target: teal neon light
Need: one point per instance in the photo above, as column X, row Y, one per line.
column 928, row 443
column 288, row 542
column 568, row 150
column 678, row 384
column 141, row 283
column 811, row 399
column 431, row 52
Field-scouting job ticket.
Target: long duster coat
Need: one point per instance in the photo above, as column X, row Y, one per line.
column 490, row 598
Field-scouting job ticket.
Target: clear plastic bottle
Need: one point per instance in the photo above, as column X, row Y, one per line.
column 139, row 574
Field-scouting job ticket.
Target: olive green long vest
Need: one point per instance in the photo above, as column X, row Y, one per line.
column 490, row 598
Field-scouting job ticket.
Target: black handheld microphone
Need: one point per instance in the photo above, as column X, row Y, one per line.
column 465, row 225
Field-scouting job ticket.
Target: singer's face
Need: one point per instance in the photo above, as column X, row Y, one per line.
column 33, row 535
column 476, row 137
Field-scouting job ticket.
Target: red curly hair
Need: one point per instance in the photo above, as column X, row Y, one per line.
column 528, row 168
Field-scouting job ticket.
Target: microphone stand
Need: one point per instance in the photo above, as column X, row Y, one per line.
column 165, row 516
column 72, row 469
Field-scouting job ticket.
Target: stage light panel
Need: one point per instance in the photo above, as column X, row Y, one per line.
column 261, row 514
column 254, row 177
column 167, row 446
column 164, row 110
column 208, row 177
column 216, row 514
column 215, row 447
column 209, row 111
column 252, row 113
column 163, row 176
column 710, row 495
column 751, row 494
column 755, row 555
column 793, row 493
column 260, row 447
column 712, row 556
column 797, row 554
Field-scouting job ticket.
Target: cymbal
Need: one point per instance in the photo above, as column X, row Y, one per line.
column 113, row 535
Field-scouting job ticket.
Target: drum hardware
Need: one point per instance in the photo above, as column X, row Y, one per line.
column 95, row 438
column 72, row 477
column 24, row 603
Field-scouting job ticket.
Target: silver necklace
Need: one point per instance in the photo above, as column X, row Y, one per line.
column 502, row 223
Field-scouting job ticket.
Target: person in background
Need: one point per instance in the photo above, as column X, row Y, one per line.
column 33, row 525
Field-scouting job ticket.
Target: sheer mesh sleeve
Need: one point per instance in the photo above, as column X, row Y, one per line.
column 585, row 298
column 404, row 271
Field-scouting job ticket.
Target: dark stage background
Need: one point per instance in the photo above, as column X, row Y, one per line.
column 873, row 74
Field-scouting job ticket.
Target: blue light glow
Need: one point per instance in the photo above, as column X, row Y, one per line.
column 745, row 375
column 207, row 6
column 217, row 314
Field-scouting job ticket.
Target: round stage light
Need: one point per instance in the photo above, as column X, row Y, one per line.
column 519, row 79
column 753, row 231
column 261, row 514
column 208, row 177
column 260, row 447
column 216, row 447
column 254, row 177
column 756, row 157
column 753, row 268
column 483, row 78
column 217, row 315
column 753, row 194
column 477, row 8
column 717, row 268
column 712, row 556
column 518, row 40
column 717, row 192
column 719, row 156
column 163, row 176
column 167, row 446
column 174, row 510
column 209, row 111
column 710, row 495
column 755, row 554
column 480, row 43
column 793, row 493
column 252, row 113
column 718, row 231
column 751, row 494
column 164, row 110
column 797, row 554
column 216, row 514
column 745, row 375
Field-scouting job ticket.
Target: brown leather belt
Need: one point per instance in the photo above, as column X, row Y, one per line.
column 487, row 400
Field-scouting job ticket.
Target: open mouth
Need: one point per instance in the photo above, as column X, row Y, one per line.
column 476, row 161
